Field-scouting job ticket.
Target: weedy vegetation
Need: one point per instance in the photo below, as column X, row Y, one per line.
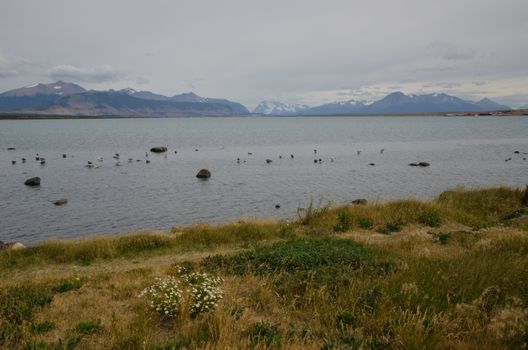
column 449, row 273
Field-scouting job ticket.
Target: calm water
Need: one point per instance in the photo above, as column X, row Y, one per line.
column 462, row 151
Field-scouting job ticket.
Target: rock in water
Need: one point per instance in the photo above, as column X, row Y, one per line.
column 203, row 174
column 61, row 201
column 423, row 164
column 11, row 148
column 158, row 149
column 360, row 201
column 33, row 182
column 268, row 161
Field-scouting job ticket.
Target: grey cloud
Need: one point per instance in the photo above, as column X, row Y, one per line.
column 450, row 52
column 249, row 50
column 99, row 74
column 11, row 66
column 444, row 85
column 142, row 80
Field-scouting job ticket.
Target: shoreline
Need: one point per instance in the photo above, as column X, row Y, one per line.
column 29, row 116
column 444, row 273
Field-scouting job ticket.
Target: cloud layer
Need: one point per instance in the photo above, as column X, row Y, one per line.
column 306, row 51
column 100, row 74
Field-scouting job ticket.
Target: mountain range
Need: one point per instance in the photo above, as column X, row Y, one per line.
column 62, row 98
column 394, row 103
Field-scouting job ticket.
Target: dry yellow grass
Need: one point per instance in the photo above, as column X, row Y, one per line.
column 455, row 286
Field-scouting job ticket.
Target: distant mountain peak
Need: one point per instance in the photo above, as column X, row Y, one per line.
column 278, row 108
column 56, row 88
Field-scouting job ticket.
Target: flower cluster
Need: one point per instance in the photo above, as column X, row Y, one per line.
column 200, row 291
column 204, row 291
column 165, row 296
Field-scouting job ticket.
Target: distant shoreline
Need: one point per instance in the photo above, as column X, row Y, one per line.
column 510, row 113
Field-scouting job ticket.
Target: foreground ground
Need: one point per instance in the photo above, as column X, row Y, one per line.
column 451, row 273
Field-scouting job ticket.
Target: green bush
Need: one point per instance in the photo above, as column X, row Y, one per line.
column 67, row 284
column 264, row 333
column 430, row 218
column 365, row 223
column 344, row 221
column 88, row 327
column 41, row 327
column 393, row 226
column 347, row 318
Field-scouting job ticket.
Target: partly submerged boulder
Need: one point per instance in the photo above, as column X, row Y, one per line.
column 359, row 201
column 33, row 182
column 158, row 149
column 61, row 201
column 203, row 174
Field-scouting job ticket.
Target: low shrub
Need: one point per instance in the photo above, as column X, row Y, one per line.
column 365, row 223
column 430, row 218
column 391, row 227
column 67, row 284
column 198, row 291
column 344, row 221
column 88, row 327
column 41, row 327
column 264, row 333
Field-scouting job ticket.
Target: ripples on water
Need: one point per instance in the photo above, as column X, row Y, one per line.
column 462, row 151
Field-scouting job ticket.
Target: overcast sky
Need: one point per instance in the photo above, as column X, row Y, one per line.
column 304, row 51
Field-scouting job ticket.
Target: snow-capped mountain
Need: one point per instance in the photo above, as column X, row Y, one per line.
column 340, row 107
column 278, row 108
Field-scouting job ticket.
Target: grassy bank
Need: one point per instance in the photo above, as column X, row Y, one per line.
column 442, row 274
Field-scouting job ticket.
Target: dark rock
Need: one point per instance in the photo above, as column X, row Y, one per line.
column 64, row 156
column 33, row 182
column 516, row 152
column 268, row 161
column 13, row 162
column 359, row 201
column 203, row 174
column 372, row 164
column 413, row 164
column 423, row 164
column 277, row 206
column 315, row 160
column 158, row 149
column 11, row 148
column 61, row 201
column 147, row 161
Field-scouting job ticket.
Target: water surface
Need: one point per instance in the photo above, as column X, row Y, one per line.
column 465, row 151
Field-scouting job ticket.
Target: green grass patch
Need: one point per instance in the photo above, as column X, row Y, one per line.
column 41, row 327
column 294, row 256
column 265, row 333
column 17, row 306
column 68, row 284
column 88, row 327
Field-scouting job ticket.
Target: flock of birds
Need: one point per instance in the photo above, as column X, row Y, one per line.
column 117, row 158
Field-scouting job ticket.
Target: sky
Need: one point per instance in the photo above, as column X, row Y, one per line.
column 306, row 51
